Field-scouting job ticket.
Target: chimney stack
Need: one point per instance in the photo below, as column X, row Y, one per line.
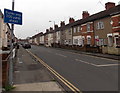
column 47, row 30
column 62, row 23
column 55, row 26
column 71, row 20
column 109, row 5
column 51, row 28
column 85, row 14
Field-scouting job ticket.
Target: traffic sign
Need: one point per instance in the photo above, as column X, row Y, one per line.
column 12, row 17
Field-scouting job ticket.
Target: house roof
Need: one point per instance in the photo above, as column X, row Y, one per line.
column 102, row 14
column 39, row 34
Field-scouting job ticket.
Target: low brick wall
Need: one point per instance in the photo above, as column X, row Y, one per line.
column 104, row 50
column 113, row 50
column 5, row 65
column 80, row 48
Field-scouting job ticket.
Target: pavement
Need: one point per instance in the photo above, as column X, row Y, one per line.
column 109, row 56
column 30, row 75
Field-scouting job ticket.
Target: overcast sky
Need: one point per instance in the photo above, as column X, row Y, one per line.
column 38, row 13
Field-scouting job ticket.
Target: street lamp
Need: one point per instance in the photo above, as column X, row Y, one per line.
column 53, row 22
column 53, row 34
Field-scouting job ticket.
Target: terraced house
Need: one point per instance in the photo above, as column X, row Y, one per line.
column 42, row 39
column 100, row 30
column 4, row 33
column 68, row 32
column 50, row 37
column 83, row 31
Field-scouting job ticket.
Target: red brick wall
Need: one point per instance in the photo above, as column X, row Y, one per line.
column 84, row 29
column 116, row 23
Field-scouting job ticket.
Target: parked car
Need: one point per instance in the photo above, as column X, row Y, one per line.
column 26, row 45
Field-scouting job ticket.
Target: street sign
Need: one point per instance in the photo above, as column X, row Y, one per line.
column 12, row 17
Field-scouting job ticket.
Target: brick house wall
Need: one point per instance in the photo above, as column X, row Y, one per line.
column 87, row 34
column 116, row 23
column 101, row 32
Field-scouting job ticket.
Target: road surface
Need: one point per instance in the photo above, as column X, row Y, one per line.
column 87, row 73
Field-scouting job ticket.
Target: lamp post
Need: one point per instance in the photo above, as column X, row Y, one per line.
column 53, row 22
column 11, row 58
column 53, row 34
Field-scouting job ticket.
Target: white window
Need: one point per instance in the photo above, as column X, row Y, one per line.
column 118, row 41
column 78, row 28
column 88, row 40
column 110, row 40
column 75, row 41
column 100, row 25
column 88, row 27
column 74, row 30
column 70, row 32
column 101, row 42
column 69, row 41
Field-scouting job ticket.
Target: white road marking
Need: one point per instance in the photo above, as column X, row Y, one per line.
column 17, row 71
column 93, row 56
column 108, row 65
column 20, row 62
column 104, row 65
column 86, row 62
column 49, row 51
column 61, row 55
column 34, row 63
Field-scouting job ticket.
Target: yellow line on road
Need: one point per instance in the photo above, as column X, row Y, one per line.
column 66, row 82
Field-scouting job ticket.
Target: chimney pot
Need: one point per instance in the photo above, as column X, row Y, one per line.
column 47, row 30
column 71, row 20
column 62, row 23
column 85, row 14
column 51, row 28
column 55, row 26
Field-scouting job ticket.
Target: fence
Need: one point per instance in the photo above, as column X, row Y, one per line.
column 7, row 67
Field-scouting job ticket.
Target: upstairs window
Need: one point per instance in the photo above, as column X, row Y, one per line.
column 88, row 27
column 74, row 29
column 70, row 31
column 78, row 28
column 100, row 25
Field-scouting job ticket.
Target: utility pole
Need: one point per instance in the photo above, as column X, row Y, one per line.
column 11, row 50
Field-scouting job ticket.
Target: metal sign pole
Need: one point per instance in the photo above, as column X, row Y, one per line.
column 11, row 59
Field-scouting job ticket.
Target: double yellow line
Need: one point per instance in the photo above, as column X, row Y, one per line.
column 66, row 82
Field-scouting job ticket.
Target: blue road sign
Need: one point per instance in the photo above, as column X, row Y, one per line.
column 12, row 17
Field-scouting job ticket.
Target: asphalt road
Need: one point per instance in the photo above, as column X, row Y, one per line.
column 87, row 73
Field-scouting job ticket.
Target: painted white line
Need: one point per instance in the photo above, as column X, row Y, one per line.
column 86, row 62
column 61, row 55
column 108, row 65
column 17, row 71
column 93, row 56
column 104, row 65
column 20, row 62
column 49, row 51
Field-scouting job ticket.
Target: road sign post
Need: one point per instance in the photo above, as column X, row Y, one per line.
column 13, row 17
